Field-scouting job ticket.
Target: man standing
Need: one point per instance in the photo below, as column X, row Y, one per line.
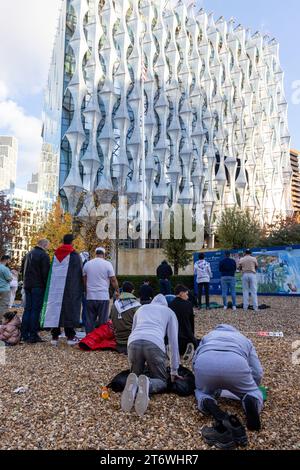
column 5, row 279
column 203, row 274
column 64, row 293
column 248, row 265
column 98, row 274
column 164, row 272
column 227, row 268
column 36, row 266
column 146, row 345
column 184, row 312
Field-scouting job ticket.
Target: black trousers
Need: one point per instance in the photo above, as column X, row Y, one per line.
column 69, row 332
column 205, row 286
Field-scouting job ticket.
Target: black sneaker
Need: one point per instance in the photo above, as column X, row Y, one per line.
column 238, row 431
column 218, row 436
column 252, row 415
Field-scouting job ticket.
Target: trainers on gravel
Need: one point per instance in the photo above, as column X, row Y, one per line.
column 129, row 392
column 142, row 397
column 238, row 431
column 218, row 436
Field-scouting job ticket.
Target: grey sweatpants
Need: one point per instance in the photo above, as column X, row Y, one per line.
column 219, row 370
column 97, row 312
column 143, row 352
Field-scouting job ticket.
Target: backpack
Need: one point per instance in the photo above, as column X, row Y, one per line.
column 180, row 387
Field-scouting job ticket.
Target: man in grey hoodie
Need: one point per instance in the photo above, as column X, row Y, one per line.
column 227, row 360
column 151, row 323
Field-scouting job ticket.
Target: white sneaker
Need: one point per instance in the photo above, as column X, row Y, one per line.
column 129, row 392
column 73, row 342
column 225, row 308
column 233, row 308
column 54, row 342
column 142, row 397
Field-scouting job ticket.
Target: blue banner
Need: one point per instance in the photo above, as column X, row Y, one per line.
column 278, row 270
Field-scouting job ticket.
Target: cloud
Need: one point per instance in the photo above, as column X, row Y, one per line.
column 27, row 129
column 27, row 30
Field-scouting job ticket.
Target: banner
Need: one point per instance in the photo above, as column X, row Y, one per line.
column 278, row 272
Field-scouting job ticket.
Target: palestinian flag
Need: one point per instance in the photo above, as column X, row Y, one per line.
column 62, row 302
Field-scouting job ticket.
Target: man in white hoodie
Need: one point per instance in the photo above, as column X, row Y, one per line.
column 146, row 346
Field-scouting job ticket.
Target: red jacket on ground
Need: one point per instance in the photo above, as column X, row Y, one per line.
column 101, row 338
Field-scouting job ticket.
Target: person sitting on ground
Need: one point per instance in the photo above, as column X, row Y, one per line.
column 184, row 312
column 227, row 360
column 146, row 345
column 122, row 313
column 10, row 330
column 146, row 293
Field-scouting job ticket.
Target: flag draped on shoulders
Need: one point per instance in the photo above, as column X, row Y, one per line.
column 62, row 302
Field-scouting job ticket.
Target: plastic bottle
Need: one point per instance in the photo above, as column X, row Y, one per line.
column 104, row 393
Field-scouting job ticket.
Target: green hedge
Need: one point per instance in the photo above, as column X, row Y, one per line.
column 137, row 281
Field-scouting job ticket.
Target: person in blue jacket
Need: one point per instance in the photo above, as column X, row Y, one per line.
column 227, row 268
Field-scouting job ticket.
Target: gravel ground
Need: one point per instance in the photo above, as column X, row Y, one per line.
column 62, row 408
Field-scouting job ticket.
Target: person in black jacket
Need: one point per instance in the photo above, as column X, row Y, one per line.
column 36, row 266
column 164, row 272
column 146, row 293
column 227, row 268
column 184, row 312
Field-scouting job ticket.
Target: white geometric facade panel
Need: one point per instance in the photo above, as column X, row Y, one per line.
column 169, row 105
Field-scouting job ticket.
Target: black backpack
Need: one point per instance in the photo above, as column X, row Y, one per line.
column 180, row 387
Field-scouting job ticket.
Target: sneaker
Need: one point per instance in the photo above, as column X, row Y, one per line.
column 129, row 392
column 189, row 353
column 233, row 308
column 238, row 431
column 54, row 342
column 218, row 436
column 252, row 414
column 142, row 397
column 225, row 307
column 73, row 342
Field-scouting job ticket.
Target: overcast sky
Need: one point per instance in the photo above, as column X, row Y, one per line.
column 27, row 29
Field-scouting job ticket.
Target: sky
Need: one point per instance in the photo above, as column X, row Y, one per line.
column 27, row 30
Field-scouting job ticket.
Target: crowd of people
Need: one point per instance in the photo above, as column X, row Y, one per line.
column 151, row 329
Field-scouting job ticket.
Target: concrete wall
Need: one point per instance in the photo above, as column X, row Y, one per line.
column 143, row 262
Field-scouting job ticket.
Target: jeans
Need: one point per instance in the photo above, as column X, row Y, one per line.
column 97, row 312
column 165, row 286
column 31, row 316
column 204, row 285
column 249, row 287
column 141, row 352
column 228, row 282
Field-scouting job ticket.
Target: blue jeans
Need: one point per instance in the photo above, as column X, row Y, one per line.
column 228, row 282
column 165, row 286
column 31, row 316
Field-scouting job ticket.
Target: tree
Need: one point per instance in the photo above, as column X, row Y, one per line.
column 58, row 224
column 285, row 231
column 238, row 229
column 10, row 220
column 175, row 250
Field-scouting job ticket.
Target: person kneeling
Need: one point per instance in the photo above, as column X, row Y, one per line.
column 146, row 346
column 227, row 360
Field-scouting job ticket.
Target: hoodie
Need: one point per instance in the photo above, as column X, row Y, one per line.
column 152, row 323
column 228, row 339
column 203, row 271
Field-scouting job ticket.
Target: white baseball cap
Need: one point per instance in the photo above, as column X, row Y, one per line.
column 100, row 249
